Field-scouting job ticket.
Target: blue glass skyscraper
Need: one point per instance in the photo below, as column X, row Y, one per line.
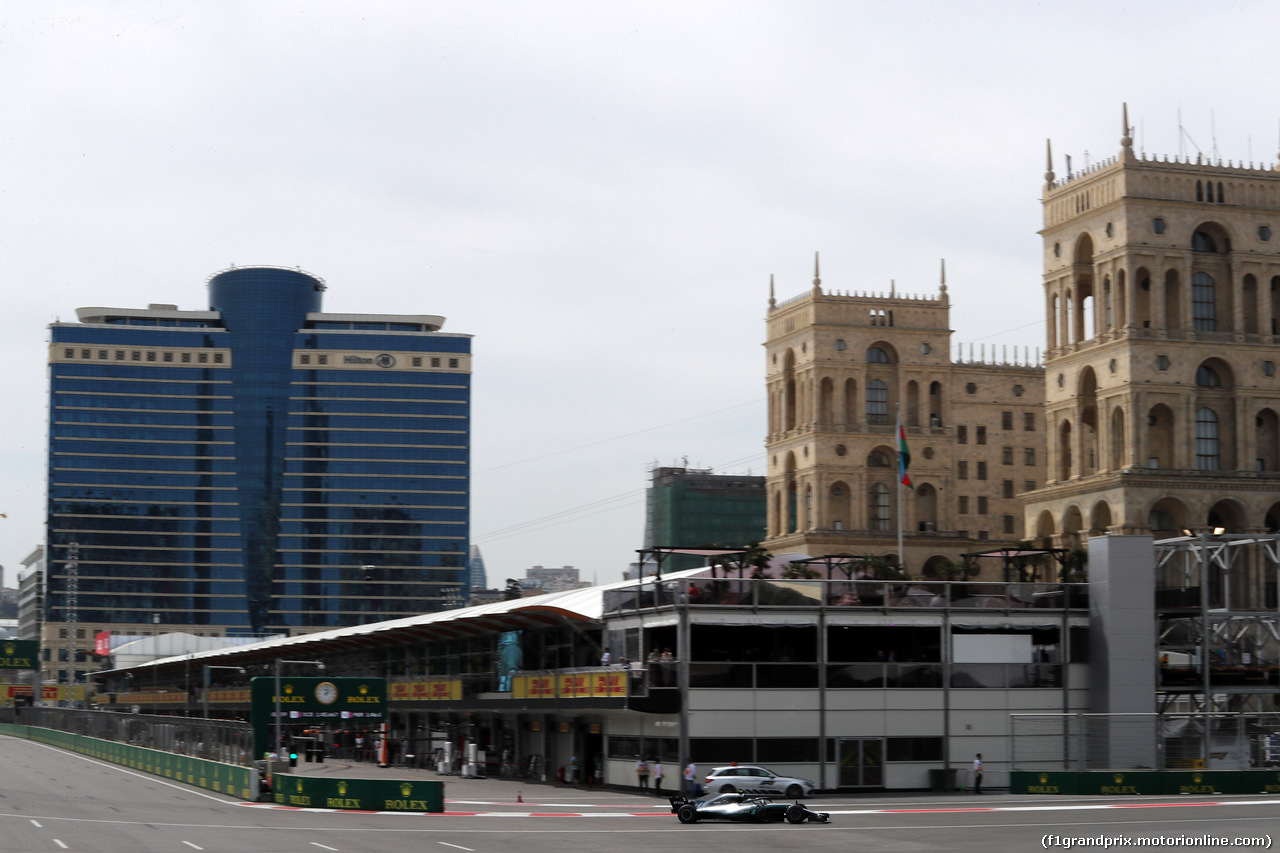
column 258, row 467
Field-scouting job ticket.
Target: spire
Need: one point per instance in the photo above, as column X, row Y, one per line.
column 1126, row 141
column 942, row 285
column 1048, row 161
column 817, row 278
column 893, row 288
column 773, row 303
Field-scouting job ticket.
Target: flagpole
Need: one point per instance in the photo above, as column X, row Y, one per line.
column 902, row 557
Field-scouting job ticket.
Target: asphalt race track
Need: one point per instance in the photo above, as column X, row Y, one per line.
column 52, row 800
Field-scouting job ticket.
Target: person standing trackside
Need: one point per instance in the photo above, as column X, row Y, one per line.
column 977, row 774
column 691, row 780
column 642, row 773
column 657, row 776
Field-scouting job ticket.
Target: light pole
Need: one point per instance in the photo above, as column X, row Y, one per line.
column 279, row 661
column 205, row 693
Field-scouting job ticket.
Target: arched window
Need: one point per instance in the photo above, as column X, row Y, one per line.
column 1203, row 242
column 1207, row 439
column 1200, row 192
column 1203, row 305
column 1207, row 377
column 878, row 459
column 879, row 507
column 875, row 355
column 877, row 402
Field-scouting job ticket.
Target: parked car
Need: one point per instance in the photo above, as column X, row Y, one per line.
column 753, row 779
column 742, row 808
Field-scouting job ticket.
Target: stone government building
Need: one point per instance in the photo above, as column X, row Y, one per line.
column 1156, row 409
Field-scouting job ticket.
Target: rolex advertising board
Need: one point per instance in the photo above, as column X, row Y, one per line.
column 320, row 700
column 19, row 654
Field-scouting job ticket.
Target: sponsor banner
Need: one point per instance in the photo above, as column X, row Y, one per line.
column 605, row 684
column 155, row 697
column 102, row 643
column 432, row 690
column 387, row 795
column 228, row 696
column 19, row 654
column 1113, row 783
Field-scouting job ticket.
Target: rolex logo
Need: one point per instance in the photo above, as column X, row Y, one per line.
column 1197, row 778
column 288, row 688
column 10, row 648
column 342, row 787
column 1044, row 778
column 299, row 786
column 364, row 688
column 406, row 789
column 1119, row 778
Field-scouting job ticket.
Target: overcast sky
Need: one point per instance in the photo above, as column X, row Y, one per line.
column 597, row 191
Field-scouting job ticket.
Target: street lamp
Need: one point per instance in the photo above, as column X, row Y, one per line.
column 205, row 693
column 279, row 661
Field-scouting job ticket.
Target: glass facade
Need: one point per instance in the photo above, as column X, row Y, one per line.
column 260, row 466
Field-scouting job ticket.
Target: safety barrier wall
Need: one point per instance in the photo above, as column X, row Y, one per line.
column 1134, row 782
column 298, row 791
column 227, row 779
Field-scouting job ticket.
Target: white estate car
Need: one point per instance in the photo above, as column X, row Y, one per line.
column 752, row 779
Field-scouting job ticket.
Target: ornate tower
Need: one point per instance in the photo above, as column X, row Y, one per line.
column 1162, row 306
column 840, row 369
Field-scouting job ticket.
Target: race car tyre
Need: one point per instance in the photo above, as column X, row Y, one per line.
column 794, row 792
column 687, row 814
column 728, row 789
column 795, row 814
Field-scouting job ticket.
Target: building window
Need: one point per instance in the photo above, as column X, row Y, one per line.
column 962, row 470
column 1028, row 456
column 1006, row 455
column 417, row 361
column 119, row 355
column 1203, row 306
column 982, row 470
column 186, row 358
column 1264, row 233
column 841, row 450
column 982, row 505
column 1029, row 486
column 982, row 534
column 880, row 507
column 1029, row 421
column 970, row 388
column 1018, row 390
column 1268, row 368
column 1008, row 524
column 1207, row 377
column 1162, row 362
column 962, row 435
column 877, row 459
column 963, row 507
column 102, row 354
column 134, row 355
column 875, row 355
column 168, row 356
column 151, row 356
column 1207, row 440
column 982, row 435
column 1157, row 225
column 1007, row 489
column 840, row 345
column 435, row 362
column 322, row 359
column 304, row 359
column 453, row 362
column 1006, row 420
column 877, row 402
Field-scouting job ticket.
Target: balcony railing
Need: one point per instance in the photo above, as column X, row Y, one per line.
column 708, row 592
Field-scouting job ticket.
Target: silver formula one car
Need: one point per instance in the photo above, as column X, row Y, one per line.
column 743, row 808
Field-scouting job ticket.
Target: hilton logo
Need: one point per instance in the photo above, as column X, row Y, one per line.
column 386, row 360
